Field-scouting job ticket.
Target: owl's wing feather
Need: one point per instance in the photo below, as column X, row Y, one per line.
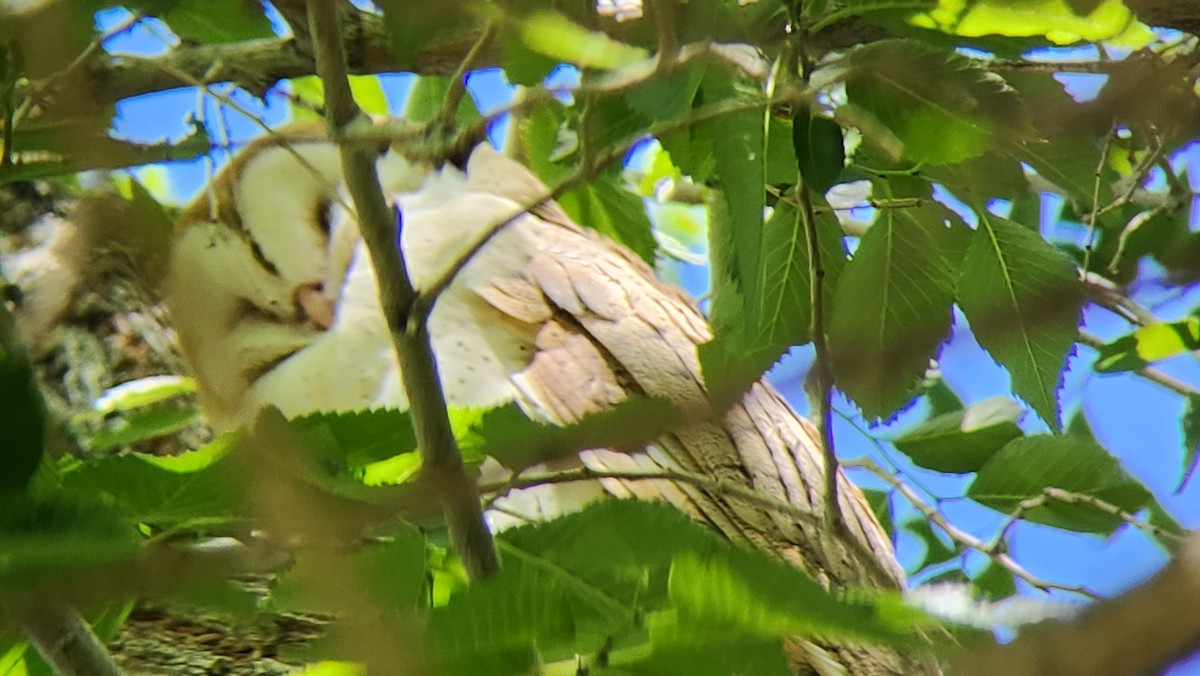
column 615, row 331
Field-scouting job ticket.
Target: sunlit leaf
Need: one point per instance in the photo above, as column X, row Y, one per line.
column 144, row 424
column 559, row 38
column 1056, row 20
column 1149, row 344
column 749, row 339
column 142, row 392
column 1023, row 300
column 1023, row 468
column 738, row 145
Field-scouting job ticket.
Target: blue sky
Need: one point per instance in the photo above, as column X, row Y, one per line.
column 1134, row 419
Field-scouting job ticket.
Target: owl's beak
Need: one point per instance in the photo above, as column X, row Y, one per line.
column 314, row 305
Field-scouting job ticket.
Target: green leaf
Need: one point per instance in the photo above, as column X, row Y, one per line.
column 678, row 647
column 425, row 99
column 45, row 539
column 558, row 38
column 142, row 392
column 1025, row 467
column 22, row 412
column 936, row 551
column 71, row 146
column 819, row 151
column 568, row 584
column 1023, row 300
column 343, row 444
column 738, row 148
column 746, row 592
column 881, row 507
column 1149, row 344
column 217, row 21
column 962, row 441
column 411, row 27
column 939, row 106
column 394, row 571
column 667, row 96
column 750, row 339
column 995, row 582
column 891, row 309
column 147, row 423
column 508, row 435
column 1190, row 421
column 1060, row 22
column 606, row 206
column 142, row 492
column 942, row 399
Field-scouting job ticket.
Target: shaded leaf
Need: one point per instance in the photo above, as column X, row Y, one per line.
column 46, row 539
column 1191, row 438
column 936, row 550
column 606, row 206
column 746, row 592
column 939, row 106
column 819, row 151
column 750, row 339
column 511, row 437
column 995, row 582
column 891, row 309
column 738, row 146
column 1023, row 300
column 143, row 492
column 413, row 26
column 1025, row 467
column 217, row 21
column 22, row 412
column 962, row 441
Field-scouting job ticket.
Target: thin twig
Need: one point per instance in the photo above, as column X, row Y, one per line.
column 962, row 537
column 1098, row 179
column 441, row 460
column 458, row 81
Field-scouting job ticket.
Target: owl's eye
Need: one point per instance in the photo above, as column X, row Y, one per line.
column 323, row 218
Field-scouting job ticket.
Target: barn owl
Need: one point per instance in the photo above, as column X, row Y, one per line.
column 275, row 302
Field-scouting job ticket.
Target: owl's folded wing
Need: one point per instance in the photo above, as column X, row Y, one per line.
column 609, row 330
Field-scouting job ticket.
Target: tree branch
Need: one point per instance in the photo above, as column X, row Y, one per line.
column 1140, row 632
column 441, row 461
column 65, row 641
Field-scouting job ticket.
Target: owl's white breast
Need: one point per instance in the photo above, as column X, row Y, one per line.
column 479, row 349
